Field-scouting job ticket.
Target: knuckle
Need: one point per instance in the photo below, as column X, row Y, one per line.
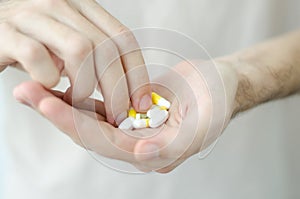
column 126, row 39
column 31, row 51
column 122, row 29
column 21, row 15
column 7, row 33
column 109, row 50
column 49, row 3
column 78, row 47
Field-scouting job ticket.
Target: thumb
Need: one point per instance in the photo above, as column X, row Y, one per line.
column 31, row 93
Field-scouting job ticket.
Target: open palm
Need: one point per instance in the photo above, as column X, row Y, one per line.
column 201, row 108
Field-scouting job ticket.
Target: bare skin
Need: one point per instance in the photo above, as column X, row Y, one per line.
column 253, row 76
column 46, row 37
column 262, row 73
column 266, row 71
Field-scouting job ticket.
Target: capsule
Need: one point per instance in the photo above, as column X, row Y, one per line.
column 141, row 123
column 138, row 116
column 160, row 101
column 132, row 113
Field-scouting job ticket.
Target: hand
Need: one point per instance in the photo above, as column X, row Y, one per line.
column 44, row 37
column 189, row 129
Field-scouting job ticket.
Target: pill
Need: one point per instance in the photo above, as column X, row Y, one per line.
column 127, row 124
column 163, row 108
column 158, row 117
column 153, row 109
column 160, row 101
column 141, row 123
column 155, row 117
column 132, row 113
column 141, row 116
column 138, row 116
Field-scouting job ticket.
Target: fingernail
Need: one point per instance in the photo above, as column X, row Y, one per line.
column 121, row 117
column 145, row 103
column 150, row 151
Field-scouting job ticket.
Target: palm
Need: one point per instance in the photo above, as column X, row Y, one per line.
column 191, row 127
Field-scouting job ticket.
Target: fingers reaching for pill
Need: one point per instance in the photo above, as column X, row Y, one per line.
column 155, row 116
column 47, row 37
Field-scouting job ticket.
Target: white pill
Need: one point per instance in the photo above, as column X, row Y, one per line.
column 141, row 123
column 127, row 124
column 158, row 118
column 152, row 111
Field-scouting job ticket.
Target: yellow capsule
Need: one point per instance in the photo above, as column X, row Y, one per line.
column 155, row 98
column 163, row 108
column 132, row 113
column 147, row 122
column 160, row 101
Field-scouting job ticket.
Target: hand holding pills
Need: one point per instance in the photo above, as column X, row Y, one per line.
column 188, row 110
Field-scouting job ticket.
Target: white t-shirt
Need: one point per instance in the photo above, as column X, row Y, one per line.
column 256, row 157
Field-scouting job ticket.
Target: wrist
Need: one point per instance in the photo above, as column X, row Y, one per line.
column 247, row 79
column 231, row 80
column 256, row 83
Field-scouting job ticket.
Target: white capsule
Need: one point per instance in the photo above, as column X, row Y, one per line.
column 127, row 124
column 141, row 123
column 160, row 101
column 158, row 117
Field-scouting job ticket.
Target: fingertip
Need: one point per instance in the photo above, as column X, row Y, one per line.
column 49, row 80
column 145, row 103
column 17, row 93
column 142, row 100
column 116, row 107
column 121, row 117
column 28, row 93
column 82, row 89
column 110, row 119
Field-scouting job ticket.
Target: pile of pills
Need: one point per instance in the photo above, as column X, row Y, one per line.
column 155, row 117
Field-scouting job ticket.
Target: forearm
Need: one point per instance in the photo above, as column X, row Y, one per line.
column 267, row 71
